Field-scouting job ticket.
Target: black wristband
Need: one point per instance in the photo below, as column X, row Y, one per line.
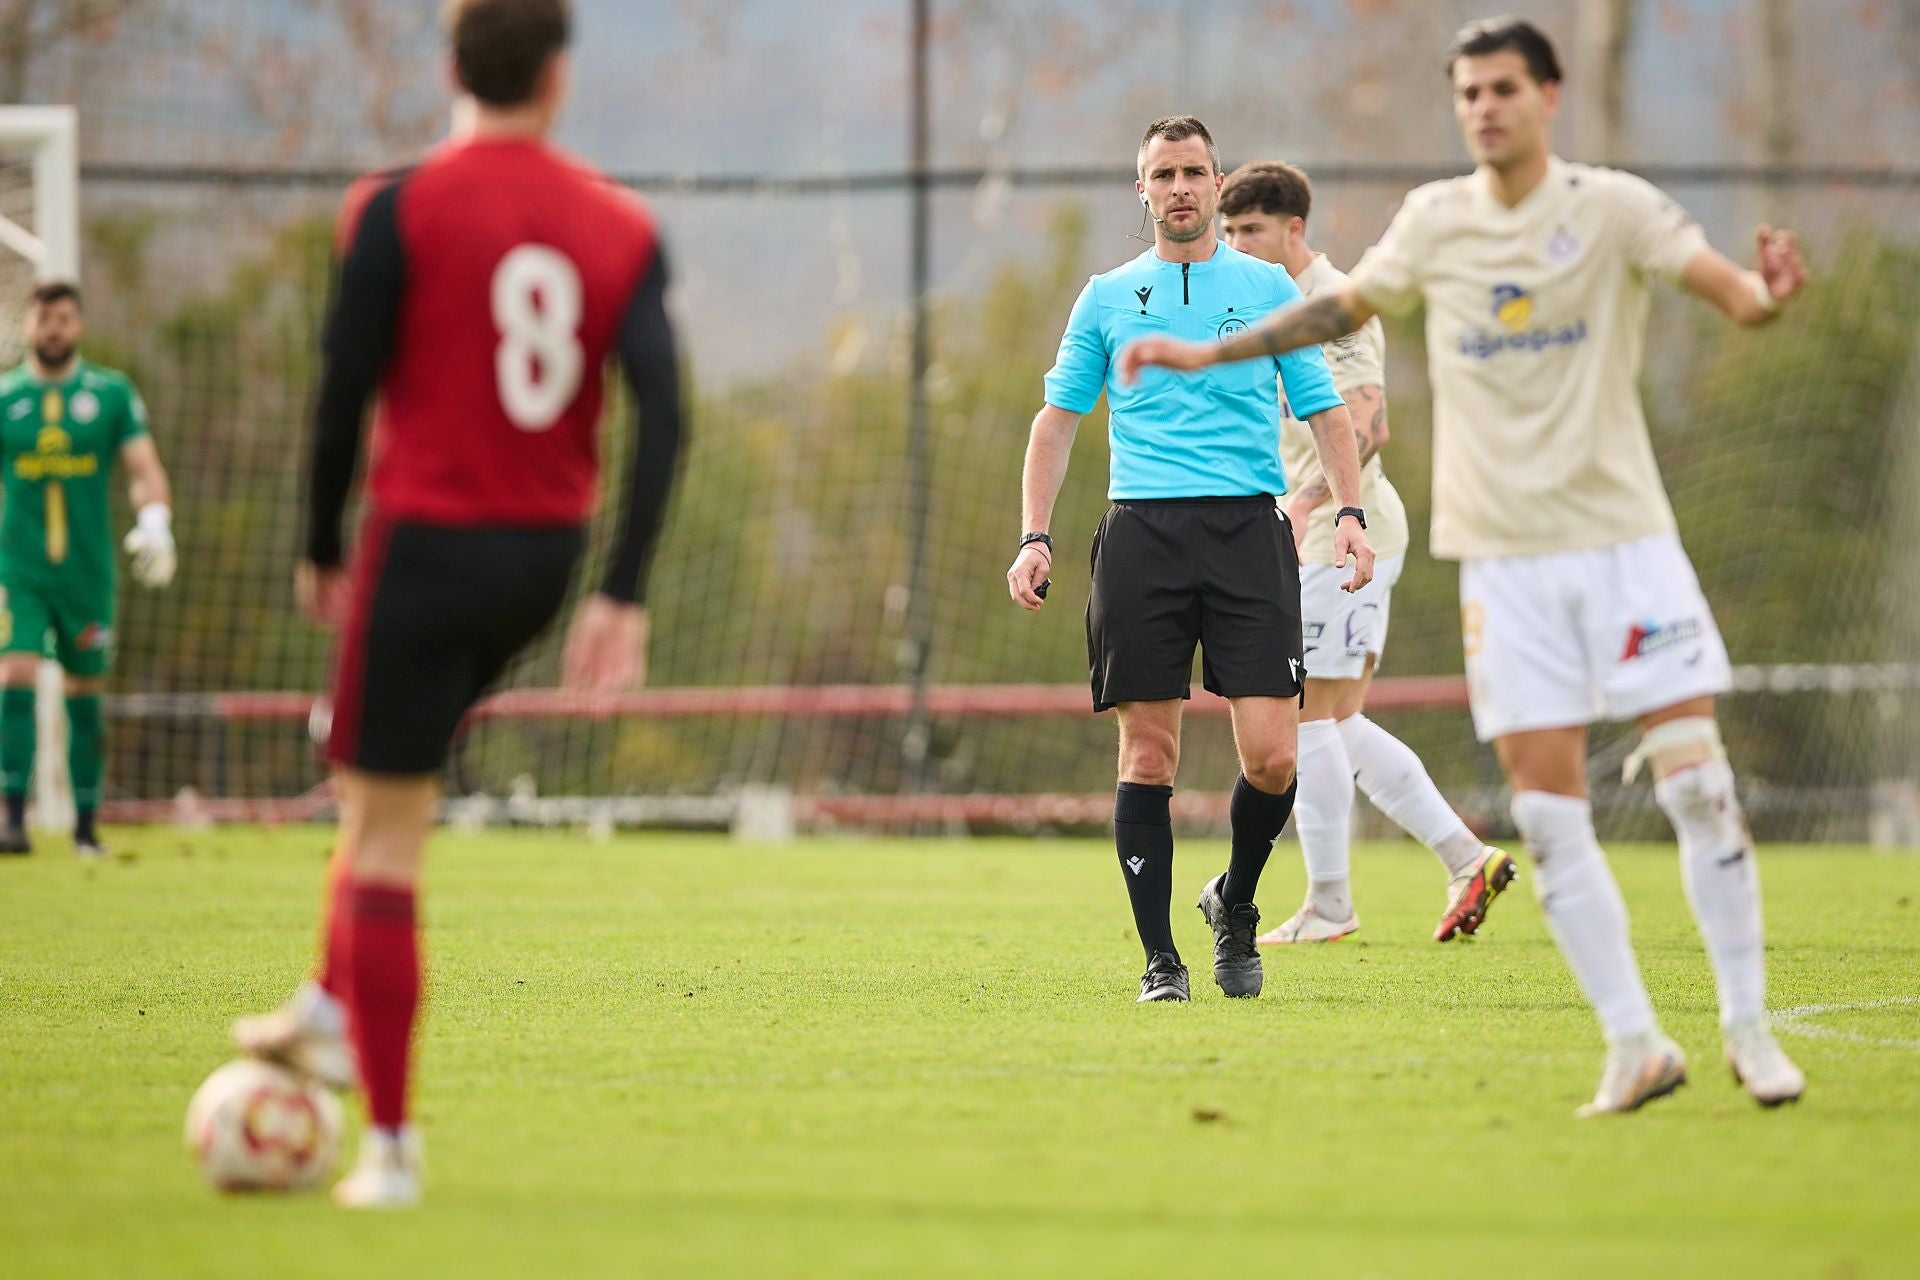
column 1041, row 538
column 1355, row 512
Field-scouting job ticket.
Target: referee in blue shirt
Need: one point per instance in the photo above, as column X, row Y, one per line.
column 1194, row 550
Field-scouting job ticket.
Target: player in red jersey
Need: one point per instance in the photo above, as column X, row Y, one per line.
column 480, row 295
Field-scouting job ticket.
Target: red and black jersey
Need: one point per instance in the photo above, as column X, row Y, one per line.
column 480, row 294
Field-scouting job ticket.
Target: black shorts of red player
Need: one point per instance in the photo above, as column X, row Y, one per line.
column 437, row 613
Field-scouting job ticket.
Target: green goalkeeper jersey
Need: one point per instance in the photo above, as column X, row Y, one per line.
column 58, row 442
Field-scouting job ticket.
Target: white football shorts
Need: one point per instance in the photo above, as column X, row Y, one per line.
column 1339, row 628
column 1571, row 637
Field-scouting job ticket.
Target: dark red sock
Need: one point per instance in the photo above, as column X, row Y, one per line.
column 383, row 993
column 331, row 972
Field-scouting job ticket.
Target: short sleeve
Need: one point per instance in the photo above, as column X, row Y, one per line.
column 1660, row 236
column 1389, row 274
column 133, row 415
column 1079, row 372
column 1359, row 359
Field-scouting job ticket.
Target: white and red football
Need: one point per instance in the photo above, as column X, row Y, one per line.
column 255, row 1126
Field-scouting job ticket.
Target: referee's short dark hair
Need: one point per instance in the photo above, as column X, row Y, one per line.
column 1490, row 35
column 1269, row 186
column 1176, row 129
column 48, row 292
column 500, row 47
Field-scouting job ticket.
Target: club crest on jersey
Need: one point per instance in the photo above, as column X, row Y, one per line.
column 85, row 406
column 1562, row 247
column 1648, row 637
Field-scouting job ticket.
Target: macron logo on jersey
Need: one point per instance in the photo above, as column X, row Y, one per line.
column 1513, row 312
column 1648, row 637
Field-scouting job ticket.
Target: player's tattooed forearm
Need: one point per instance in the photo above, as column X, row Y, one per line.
column 1316, row 490
column 1320, row 320
column 1301, row 325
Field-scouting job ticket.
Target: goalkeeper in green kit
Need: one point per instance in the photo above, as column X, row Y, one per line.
column 63, row 424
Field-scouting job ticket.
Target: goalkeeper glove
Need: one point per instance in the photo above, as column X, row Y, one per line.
column 150, row 543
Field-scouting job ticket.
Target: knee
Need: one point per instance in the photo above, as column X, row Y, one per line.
column 1149, row 759
column 1272, row 769
column 1557, row 829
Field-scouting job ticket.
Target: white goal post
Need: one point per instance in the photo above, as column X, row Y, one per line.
column 46, row 138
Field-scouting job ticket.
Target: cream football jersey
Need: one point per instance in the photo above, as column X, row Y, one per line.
column 1536, row 322
column 1357, row 360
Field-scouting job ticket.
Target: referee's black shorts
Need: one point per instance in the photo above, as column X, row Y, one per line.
column 437, row 613
column 1171, row 573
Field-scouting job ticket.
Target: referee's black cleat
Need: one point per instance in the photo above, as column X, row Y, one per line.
column 14, row 840
column 1165, row 979
column 1236, row 957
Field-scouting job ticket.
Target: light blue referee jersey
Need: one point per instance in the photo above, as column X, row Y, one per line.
column 1214, row 434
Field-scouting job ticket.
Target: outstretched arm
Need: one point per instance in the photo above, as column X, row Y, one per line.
column 1048, row 446
column 1749, row 298
column 1331, row 314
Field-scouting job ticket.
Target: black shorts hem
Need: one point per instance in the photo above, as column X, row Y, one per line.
column 1109, row 703
column 397, row 769
column 1262, row 692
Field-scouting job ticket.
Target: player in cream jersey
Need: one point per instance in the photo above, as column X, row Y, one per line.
column 1264, row 208
column 1578, row 601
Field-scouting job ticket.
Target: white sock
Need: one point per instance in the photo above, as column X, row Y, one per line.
column 1391, row 776
column 1323, row 817
column 1584, row 909
column 1722, row 883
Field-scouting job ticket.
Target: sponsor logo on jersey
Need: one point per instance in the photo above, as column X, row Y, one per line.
column 1513, row 311
column 85, row 406
column 1648, row 637
column 1512, row 306
column 1313, row 630
column 53, row 458
column 94, row 636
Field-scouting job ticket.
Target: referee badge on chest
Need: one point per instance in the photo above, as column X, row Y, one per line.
column 1225, row 324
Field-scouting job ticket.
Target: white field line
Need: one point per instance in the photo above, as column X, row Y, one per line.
column 1794, row 1022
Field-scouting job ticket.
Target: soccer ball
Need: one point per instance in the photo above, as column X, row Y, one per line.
column 254, row 1126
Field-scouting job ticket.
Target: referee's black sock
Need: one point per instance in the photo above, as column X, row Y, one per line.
column 1143, row 832
column 1257, row 817
column 16, row 809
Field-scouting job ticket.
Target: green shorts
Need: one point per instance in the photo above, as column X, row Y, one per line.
column 70, row 625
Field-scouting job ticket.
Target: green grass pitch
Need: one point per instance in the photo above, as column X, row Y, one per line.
column 671, row 1056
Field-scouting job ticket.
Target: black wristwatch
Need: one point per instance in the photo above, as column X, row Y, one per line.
column 1355, row 512
column 1040, row 538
